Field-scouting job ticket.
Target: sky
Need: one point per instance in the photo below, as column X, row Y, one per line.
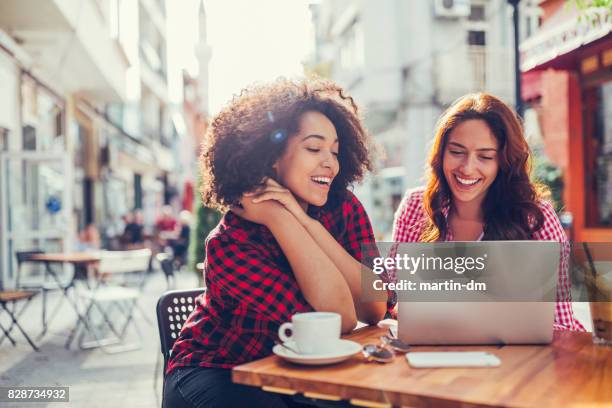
column 251, row 40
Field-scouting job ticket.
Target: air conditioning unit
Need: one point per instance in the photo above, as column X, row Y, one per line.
column 451, row 8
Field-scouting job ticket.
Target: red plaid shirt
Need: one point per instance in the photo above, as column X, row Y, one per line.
column 409, row 222
column 251, row 289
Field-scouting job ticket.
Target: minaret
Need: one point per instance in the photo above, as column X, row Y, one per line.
column 203, row 53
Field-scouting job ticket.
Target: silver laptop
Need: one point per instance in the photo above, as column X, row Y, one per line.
column 509, row 318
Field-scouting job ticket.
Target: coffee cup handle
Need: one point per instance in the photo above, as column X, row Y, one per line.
column 282, row 332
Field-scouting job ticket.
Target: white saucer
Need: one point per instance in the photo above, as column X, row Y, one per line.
column 343, row 351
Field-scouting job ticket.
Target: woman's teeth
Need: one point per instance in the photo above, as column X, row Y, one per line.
column 322, row 180
column 466, row 182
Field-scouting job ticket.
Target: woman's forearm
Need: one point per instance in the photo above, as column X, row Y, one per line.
column 322, row 284
column 351, row 270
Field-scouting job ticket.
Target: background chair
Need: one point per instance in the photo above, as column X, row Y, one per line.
column 167, row 267
column 173, row 308
column 42, row 285
column 24, row 256
column 12, row 297
column 114, row 289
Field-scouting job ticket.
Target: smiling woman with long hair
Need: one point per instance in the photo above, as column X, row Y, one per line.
column 278, row 160
column 479, row 188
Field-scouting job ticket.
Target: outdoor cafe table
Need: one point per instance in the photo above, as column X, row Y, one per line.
column 569, row 372
column 77, row 259
column 80, row 260
column 69, row 257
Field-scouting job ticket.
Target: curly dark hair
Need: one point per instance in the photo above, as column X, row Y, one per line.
column 510, row 207
column 250, row 134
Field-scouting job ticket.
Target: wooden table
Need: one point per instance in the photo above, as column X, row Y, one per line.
column 75, row 258
column 80, row 260
column 570, row 372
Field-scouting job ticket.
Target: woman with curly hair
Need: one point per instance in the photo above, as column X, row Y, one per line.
column 479, row 189
column 278, row 160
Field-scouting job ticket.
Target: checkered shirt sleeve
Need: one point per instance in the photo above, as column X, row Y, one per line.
column 551, row 230
column 255, row 280
column 359, row 241
column 409, row 217
column 359, row 234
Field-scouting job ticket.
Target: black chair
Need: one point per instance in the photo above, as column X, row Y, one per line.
column 173, row 308
column 24, row 256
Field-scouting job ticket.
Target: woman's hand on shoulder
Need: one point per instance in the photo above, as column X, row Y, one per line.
column 263, row 212
column 272, row 191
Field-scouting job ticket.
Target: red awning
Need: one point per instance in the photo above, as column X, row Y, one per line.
column 531, row 85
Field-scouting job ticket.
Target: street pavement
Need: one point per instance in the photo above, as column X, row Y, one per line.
column 94, row 378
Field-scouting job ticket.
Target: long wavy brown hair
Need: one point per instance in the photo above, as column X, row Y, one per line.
column 249, row 134
column 511, row 210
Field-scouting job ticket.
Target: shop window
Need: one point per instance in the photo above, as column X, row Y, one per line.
column 137, row 191
column 29, row 138
column 598, row 156
column 82, row 137
column 4, row 132
column 59, row 123
column 88, row 201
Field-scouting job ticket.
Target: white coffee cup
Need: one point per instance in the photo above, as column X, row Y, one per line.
column 313, row 332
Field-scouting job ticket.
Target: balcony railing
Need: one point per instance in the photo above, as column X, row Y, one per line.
column 477, row 57
column 474, row 69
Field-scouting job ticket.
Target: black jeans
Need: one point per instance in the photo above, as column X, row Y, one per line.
column 196, row 387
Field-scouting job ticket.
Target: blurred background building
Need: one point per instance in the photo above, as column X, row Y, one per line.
column 88, row 130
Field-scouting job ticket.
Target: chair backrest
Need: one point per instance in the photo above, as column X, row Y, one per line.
column 173, row 308
column 136, row 260
column 23, row 256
